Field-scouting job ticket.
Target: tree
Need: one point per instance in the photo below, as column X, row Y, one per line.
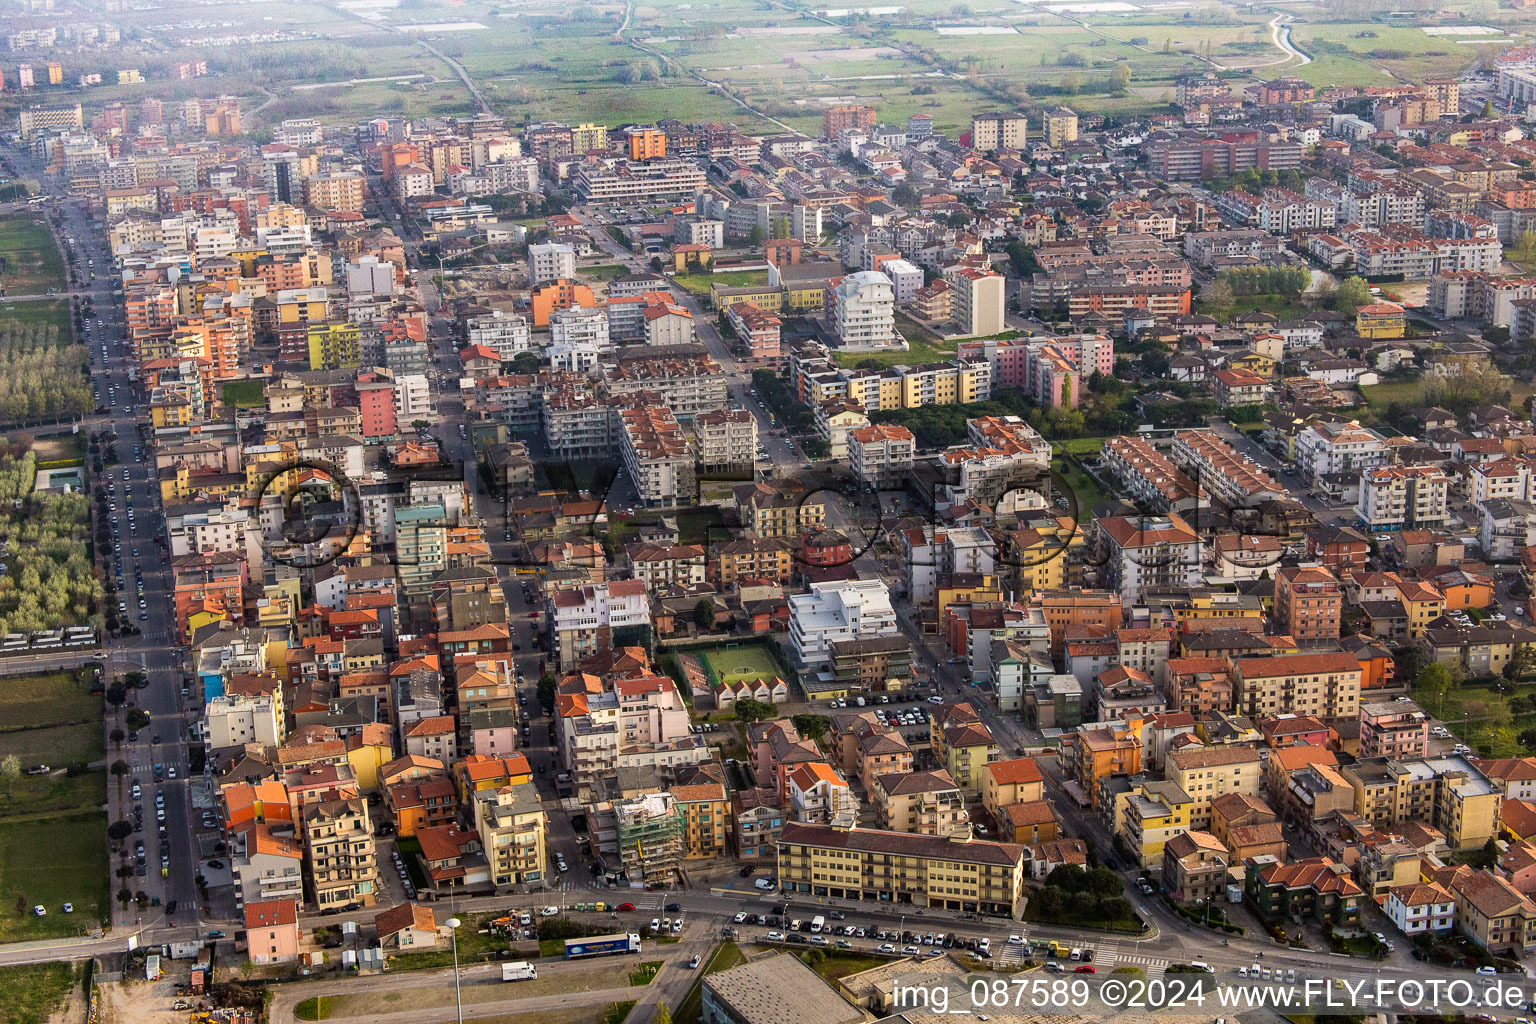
column 662, row 1015
column 10, row 771
column 1524, row 249
column 1022, row 258
column 137, row 719
column 117, row 736
column 1121, row 77
column 755, row 236
column 1218, row 294
column 119, row 830
column 1351, row 295
column 749, row 710
column 116, row 694
column 121, row 767
column 1436, row 681
column 704, row 613
column 546, row 691
column 812, row 727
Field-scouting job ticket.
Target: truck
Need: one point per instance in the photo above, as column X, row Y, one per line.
column 518, row 970
column 602, row 945
column 818, row 923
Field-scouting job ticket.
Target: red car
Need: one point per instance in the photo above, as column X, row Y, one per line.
column 625, row 906
column 1087, row 969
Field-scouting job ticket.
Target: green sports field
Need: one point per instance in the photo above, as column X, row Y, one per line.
column 746, row 661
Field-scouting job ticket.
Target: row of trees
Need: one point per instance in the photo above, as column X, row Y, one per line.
column 1265, row 280
column 39, row 377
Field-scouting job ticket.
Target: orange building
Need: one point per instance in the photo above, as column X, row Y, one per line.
column 557, row 295
column 1066, row 609
column 647, row 144
column 1112, row 749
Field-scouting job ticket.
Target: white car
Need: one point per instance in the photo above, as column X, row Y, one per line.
column 885, row 947
column 549, row 911
column 739, row 918
column 774, row 936
column 935, row 700
column 40, row 910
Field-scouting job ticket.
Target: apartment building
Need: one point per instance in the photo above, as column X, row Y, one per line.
column 623, row 181
column 816, row 792
column 881, row 455
column 977, row 299
column 1208, row 773
column 657, row 455
column 1222, row 471
column 1395, row 498
column 1308, row 604
column 593, row 617
column 512, row 828
column 706, row 812
column 1447, row 792
column 1396, row 729
column 1146, row 552
column 838, row 610
column 725, row 439
column 1325, row 685
column 1147, row 474
column 926, row 803
column 1325, row 449
column 861, row 309
column 997, row 131
column 339, row 854
column 951, row 873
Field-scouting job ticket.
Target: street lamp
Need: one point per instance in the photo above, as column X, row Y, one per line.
column 453, row 931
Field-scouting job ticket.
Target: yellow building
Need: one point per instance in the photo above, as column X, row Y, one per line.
column 1422, row 603
column 367, row 752
column 1206, row 774
column 1016, row 781
column 1381, row 320
column 1257, row 362
column 300, row 305
column 512, row 828
column 1152, row 813
column 706, row 811
column 1060, row 126
column 950, row 873
column 335, row 346
column 965, row 750
column 588, row 137
column 1448, row 792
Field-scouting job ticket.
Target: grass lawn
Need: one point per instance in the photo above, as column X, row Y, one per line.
column 313, row 1008
column 646, row 972
column 244, row 394
column 728, row 955
column 1286, row 307
column 699, row 284
column 32, row 260
column 31, row 993
column 74, row 871
column 606, row 272
column 1381, row 395
column 475, row 946
column 50, row 311
column 1088, row 491
column 744, row 661
column 840, row 965
column 919, row 350
column 1480, row 717
column 617, row 1012
column 52, row 719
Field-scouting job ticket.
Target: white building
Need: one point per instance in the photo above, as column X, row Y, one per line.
column 1147, row 551
column 1420, row 908
column 370, row 276
column 233, row 719
column 551, row 261
column 413, row 398
column 1339, row 447
column 977, row 299
column 578, row 338
column 1403, row 498
column 881, row 455
column 838, row 610
column 862, row 311
column 906, row 278
column 506, row 334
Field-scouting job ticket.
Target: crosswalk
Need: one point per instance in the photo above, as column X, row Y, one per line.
column 1012, row 955
column 1107, row 957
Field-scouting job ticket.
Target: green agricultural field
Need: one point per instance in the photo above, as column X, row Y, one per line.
column 244, row 394
column 51, row 719
column 45, row 312
column 32, row 260
column 74, row 870
column 730, row 662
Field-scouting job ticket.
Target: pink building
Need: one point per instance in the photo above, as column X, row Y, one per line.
column 1053, row 380
column 493, row 732
column 1008, row 357
column 1393, row 728
column 272, row 931
column 376, row 405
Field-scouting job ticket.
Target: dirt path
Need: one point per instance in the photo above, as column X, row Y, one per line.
column 139, row 1002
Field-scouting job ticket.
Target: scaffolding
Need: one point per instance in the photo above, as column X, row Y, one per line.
column 651, row 838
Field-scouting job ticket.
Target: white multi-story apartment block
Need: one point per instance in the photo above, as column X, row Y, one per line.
column 211, row 528
column 991, row 132
column 506, row 334
column 1404, row 498
column 413, row 398
column 1339, row 447
column 1281, row 211
column 861, row 310
column 881, row 455
column 906, row 278
column 838, row 610
column 592, row 617
column 725, row 438
column 620, row 181
column 551, row 261
column 656, row 453
column 1147, row 551
column 977, row 300
column 234, row 719
column 578, row 338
